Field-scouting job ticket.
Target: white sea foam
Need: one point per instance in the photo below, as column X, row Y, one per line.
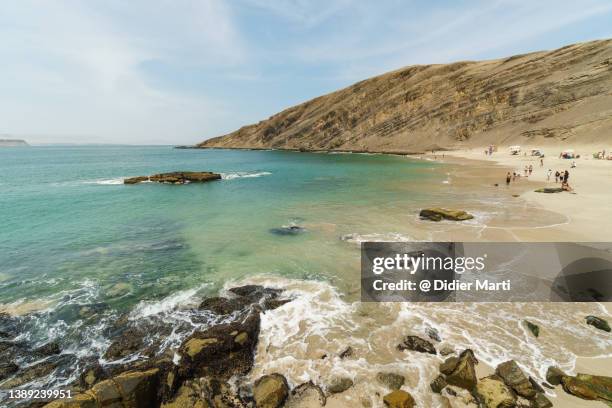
column 355, row 238
column 244, row 174
column 105, row 182
column 179, row 299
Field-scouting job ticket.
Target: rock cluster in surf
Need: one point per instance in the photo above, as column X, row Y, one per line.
column 177, row 177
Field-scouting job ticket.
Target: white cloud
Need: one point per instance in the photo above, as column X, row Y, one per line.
column 71, row 69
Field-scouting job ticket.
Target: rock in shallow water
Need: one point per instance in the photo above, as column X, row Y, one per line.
column 288, row 230
column 339, row 384
column 438, row 214
column 598, row 323
column 306, row 395
column 177, row 177
column 415, row 343
column 390, row 380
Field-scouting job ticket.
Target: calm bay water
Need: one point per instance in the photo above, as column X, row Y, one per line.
column 70, row 226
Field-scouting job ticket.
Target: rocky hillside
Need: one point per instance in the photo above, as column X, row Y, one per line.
column 542, row 97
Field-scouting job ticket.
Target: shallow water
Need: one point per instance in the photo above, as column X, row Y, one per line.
column 72, row 235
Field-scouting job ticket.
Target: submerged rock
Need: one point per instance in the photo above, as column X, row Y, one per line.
column 415, row 343
column 433, row 334
column 514, row 377
column 460, row 371
column 29, row 374
column 533, row 328
column 493, row 393
column 48, row 349
column 589, row 387
column 339, row 384
column 438, row 214
column 598, row 323
column 288, row 230
column 390, row 380
column 270, row 391
column 306, row 395
column 399, row 399
column 177, row 177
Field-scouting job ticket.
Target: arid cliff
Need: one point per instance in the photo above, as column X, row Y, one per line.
column 543, row 97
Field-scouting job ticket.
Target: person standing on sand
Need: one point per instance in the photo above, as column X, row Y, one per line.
column 508, row 178
column 526, row 170
column 541, row 162
column 557, row 175
column 566, row 176
column 530, row 169
column 548, row 173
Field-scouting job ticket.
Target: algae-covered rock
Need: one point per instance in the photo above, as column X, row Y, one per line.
column 399, row 399
column 598, row 323
column 270, row 391
column 493, row 393
column 438, row 214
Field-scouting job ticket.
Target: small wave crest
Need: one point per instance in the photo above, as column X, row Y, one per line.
column 244, row 174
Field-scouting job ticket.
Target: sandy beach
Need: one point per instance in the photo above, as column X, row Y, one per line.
column 591, row 180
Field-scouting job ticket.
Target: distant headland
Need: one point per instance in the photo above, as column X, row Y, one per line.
column 12, row 142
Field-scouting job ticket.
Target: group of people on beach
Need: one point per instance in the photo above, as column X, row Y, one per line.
column 560, row 176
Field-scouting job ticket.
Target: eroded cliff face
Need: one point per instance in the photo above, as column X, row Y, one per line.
column 542, row 97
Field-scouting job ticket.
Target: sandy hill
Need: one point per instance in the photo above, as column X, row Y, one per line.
column 537, row 98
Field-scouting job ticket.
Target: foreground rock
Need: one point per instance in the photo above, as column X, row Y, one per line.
column 598, row 323
column 460, row 371
column 589, row 387
column 221, row 351
column 554, row 375
column 177, row 177
column 136, row 389
column 438, row 214
column 399, row 399
column 532, row 327
column 415, row 343
column 270, row 391
column 493, row 393
column 513, row 377
column 339, row 385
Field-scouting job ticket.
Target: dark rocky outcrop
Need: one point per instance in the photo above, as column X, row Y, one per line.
column 7, row 369
column 433, row 334
column 399, row 399
column 347, row 352
column 288, row 230
column 221, row 351
column 598, row 323
column 177, row 177
column 29, row 374
column 48, row 349
column 390, row 380
column 589, row 387
column 439, row 214
column 513, row 377
column 460, row 371
column 270, row 391
column 415, row 343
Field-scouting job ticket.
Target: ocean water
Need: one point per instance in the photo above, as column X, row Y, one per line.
column 73, row 236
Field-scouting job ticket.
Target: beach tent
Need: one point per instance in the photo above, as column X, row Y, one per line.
column 568, row 154
column 515, row 149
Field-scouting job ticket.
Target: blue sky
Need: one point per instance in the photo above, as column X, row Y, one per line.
column 180, row 71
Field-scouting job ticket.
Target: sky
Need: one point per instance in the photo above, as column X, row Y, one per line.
column 181, row 71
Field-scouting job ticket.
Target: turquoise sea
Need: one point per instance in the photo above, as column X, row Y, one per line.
column 79, row 249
